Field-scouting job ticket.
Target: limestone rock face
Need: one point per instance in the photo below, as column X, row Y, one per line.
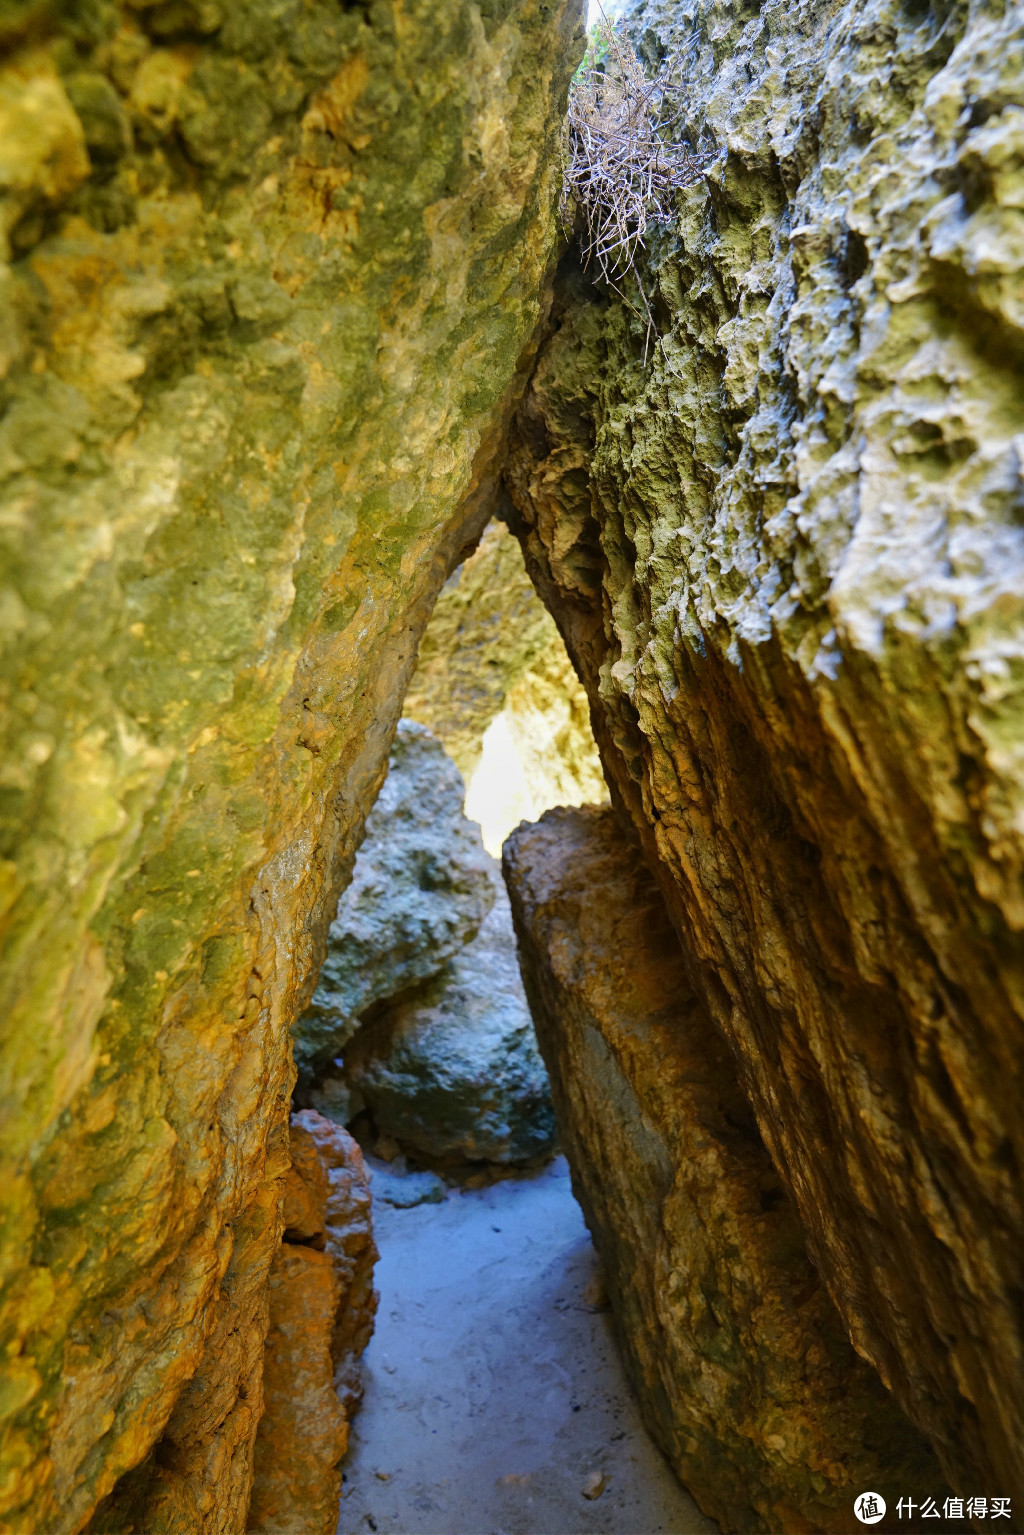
column 303, row 1434
column 453, row 1070
column 268, row 277
column 421, row 887
column 787, row 555
column 740, row 1360
column 321, row 1316
column 348, row 1239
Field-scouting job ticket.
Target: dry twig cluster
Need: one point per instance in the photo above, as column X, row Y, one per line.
column 620, row 168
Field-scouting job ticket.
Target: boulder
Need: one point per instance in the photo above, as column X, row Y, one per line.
column 404, row 1190
column 421, row 887
column 453, row 1071
column 783, row 539
column 739, row 1358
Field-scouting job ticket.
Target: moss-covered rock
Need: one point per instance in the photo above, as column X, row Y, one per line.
column 273, row 267
column 786, row 551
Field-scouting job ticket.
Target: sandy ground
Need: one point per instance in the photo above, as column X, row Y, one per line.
column 494, row 1389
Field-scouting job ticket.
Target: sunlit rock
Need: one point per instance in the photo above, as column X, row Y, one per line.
column 494, row 684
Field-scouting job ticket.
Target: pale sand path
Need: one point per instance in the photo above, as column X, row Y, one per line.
column 493, row 1389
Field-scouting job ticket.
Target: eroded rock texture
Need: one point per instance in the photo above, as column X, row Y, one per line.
column 452, row 1070
column 740, row 1359
column 421, row 886
column 322, row 1304
column 349, row 1241
column 787, row 555
column 269, row 272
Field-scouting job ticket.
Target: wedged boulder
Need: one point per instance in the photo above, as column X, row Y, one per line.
column 784, row 542
column 740, row 1360
column 453, row 1071
column 421, row 887
column 322, row 1305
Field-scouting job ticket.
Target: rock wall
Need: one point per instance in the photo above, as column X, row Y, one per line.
column 787, row 556
column 270, row 273
column 747, row 1378
column 322, row 1305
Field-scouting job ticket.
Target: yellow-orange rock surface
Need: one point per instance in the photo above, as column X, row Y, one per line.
column 321, row 1316
column 267, row 273
column 739, row 1358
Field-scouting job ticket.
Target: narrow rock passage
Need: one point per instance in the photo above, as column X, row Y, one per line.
column 494, row 1392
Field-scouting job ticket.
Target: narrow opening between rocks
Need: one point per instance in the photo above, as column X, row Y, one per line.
column 495, row 1398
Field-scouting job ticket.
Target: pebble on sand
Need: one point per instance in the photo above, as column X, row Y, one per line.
column 595, row 1484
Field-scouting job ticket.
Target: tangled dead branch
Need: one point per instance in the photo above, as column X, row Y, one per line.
column 621, row 168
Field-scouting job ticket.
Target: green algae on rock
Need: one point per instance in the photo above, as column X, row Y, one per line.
column 788, row 561
column 272, row 270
